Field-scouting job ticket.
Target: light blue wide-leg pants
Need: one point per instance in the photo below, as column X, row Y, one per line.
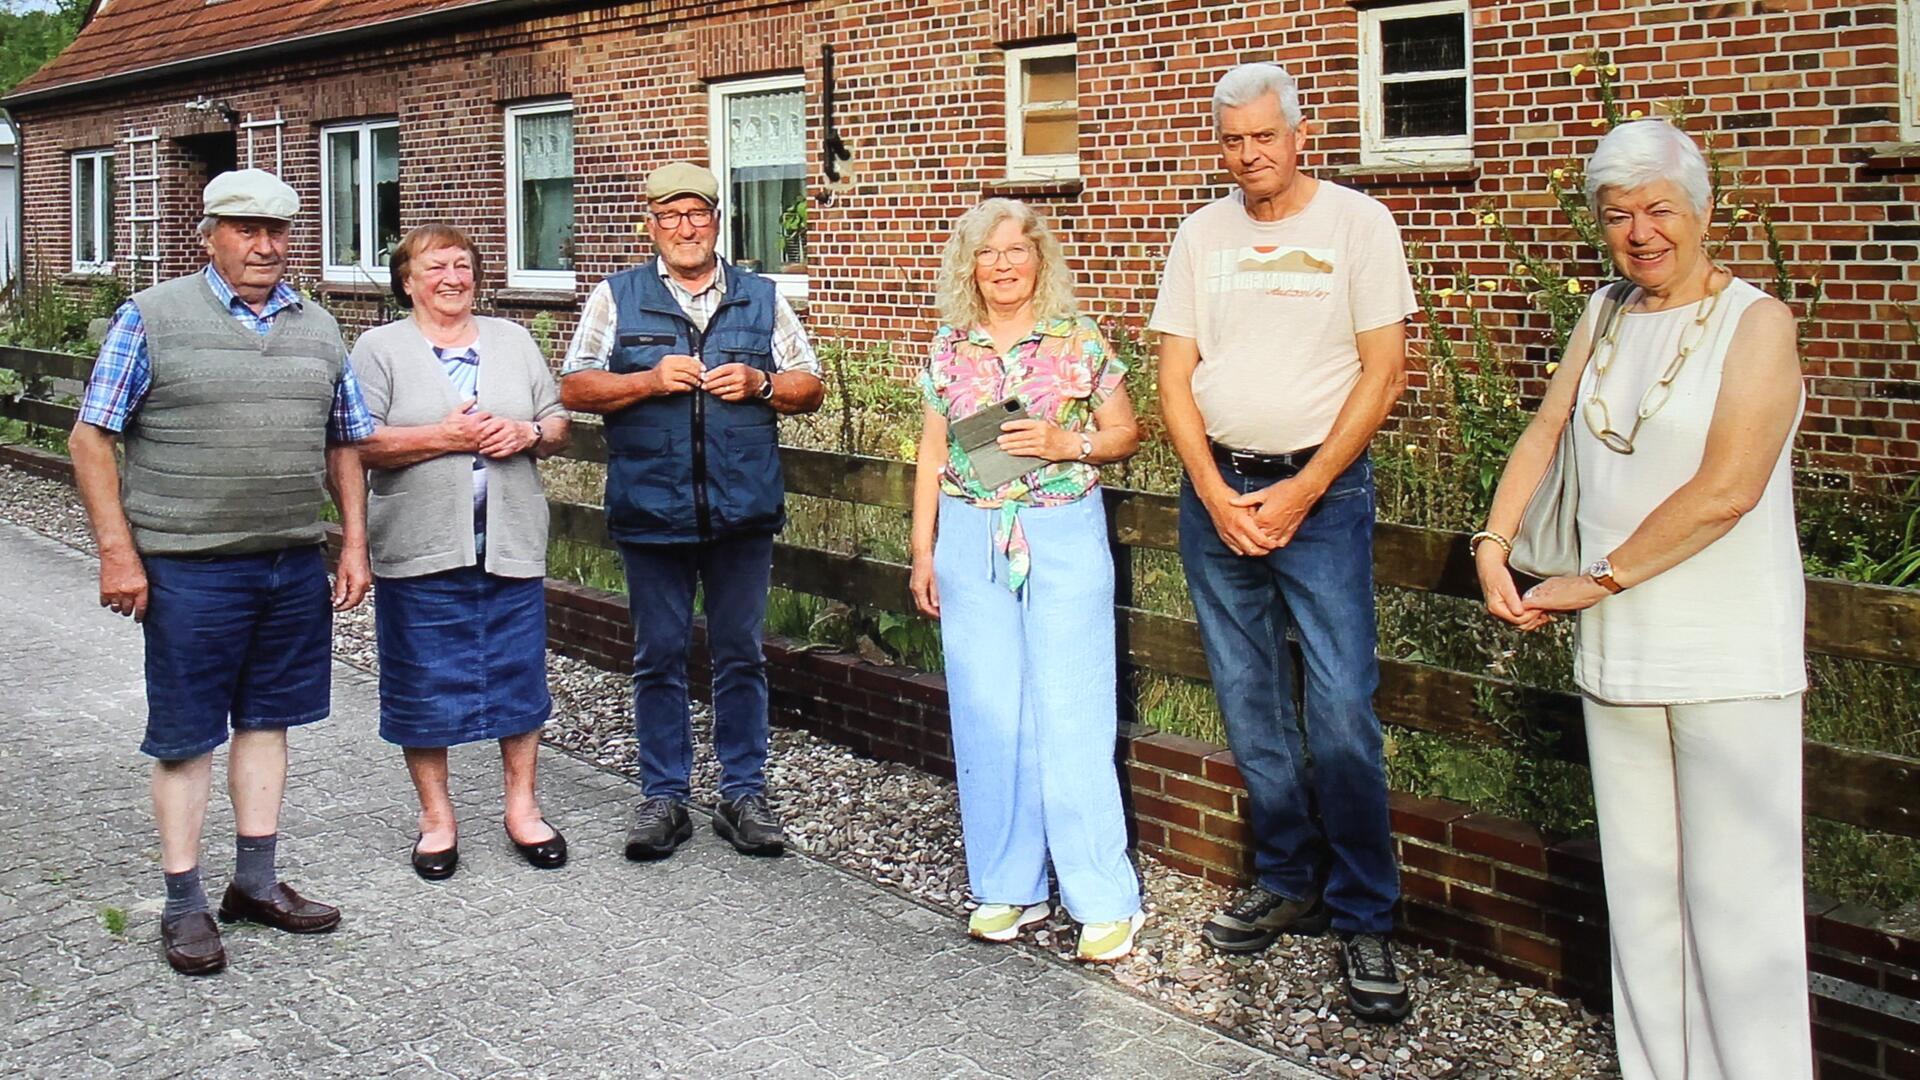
column 1030, row 684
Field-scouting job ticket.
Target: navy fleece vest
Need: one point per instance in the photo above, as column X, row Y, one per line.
column 689, row 467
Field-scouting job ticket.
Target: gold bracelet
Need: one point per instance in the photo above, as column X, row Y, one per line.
column 1474, row 541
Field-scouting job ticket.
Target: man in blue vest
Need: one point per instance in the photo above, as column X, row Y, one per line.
column 692, row 360
column 236, row 411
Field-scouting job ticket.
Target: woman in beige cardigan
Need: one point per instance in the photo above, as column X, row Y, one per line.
column 457, row 527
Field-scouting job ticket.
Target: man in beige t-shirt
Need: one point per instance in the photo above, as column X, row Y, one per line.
column 1282, row 349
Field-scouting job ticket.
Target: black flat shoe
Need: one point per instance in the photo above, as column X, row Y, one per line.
column 435, row 865
column 548, row 854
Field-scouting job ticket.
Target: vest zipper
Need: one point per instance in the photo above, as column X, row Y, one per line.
column 702, row 516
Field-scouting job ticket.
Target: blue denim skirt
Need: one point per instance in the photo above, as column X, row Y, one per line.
column 463, row 657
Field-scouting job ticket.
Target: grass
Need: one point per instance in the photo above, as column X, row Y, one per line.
column 115, row 920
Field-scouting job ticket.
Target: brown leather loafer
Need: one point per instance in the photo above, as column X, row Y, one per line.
column 192, row 944
column 281, row 908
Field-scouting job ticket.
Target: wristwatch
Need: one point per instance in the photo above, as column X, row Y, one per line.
column 1086, row 447
column 1601, row 571
column 765, row 393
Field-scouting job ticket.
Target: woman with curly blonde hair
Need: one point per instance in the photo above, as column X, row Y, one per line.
column 1018, row 571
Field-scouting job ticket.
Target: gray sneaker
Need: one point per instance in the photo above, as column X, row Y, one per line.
column 660, row 825
column 1257, row 916
column 749, row 824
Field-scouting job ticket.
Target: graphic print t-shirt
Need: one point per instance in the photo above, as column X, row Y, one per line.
column 1275, row 306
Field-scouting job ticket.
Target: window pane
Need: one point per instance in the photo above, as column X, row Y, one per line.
column 1048, row 78
column 386, row 193
column 544, row 145
column 85, row 201
column 1051, row 133
column 766, row 156
column 1425, row 109
column 1429, row 43
column 108, row 195
column 343, row 197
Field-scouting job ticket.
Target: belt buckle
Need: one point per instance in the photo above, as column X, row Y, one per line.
column 1243, row 459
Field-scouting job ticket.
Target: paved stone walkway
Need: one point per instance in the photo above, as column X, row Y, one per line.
column 707, row 965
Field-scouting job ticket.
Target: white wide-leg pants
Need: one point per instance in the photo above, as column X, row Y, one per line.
column 1700, row 839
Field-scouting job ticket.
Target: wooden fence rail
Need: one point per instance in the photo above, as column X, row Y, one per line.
column 1873, row 790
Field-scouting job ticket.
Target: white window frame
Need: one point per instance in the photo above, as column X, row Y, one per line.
column 1375, row 147
column 1910, row 70
column 791, row 286
column 368, row 270
column 518, row 278
column 1020, row 164
column 102, row 211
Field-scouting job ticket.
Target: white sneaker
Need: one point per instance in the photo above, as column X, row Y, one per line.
column 1003, row 922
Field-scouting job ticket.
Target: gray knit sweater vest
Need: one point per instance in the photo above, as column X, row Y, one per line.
column 227, row 453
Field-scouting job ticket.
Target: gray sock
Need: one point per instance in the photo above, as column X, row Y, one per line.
column 185, row 895
column 253, row 864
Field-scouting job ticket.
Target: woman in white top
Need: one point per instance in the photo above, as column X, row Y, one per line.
column 1690, row 628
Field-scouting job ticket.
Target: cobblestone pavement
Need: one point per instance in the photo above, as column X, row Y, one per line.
column 707, row 965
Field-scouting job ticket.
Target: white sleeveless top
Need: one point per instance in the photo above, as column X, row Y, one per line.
column 1729, row 622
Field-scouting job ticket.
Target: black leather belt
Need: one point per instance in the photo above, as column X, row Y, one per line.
column 1248, row 463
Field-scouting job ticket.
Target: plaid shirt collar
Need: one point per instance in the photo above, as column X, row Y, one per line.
column 283, row 296
column 718, row 285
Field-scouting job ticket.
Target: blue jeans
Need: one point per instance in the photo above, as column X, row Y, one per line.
column 1030, row 683
column 1320, row 584
column 734, row 573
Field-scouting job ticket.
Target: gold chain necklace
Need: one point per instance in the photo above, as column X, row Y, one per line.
column 1600, row 418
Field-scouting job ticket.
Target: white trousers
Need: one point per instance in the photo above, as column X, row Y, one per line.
column 1699, row 809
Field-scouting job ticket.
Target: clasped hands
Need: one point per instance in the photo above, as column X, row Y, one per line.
column 475, row 431
column 679, row 373
column 1259, row 522
column 1537, row 606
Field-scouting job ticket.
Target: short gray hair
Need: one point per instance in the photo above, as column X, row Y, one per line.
column 1639, row 152
column 208, row 223
column 1249, row 83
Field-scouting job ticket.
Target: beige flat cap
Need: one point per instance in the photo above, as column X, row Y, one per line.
column 679, row 178
column 252, row 193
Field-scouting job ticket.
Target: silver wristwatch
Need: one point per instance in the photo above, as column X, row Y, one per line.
column 1086, row 447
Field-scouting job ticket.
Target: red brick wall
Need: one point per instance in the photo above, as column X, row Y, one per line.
column 1798, row 93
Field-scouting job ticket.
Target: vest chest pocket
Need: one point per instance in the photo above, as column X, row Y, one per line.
column 640, row 350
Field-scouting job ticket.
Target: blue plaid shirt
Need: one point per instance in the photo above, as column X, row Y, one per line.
column 123, row 373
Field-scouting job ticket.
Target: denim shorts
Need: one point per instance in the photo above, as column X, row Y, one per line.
column 245, row 640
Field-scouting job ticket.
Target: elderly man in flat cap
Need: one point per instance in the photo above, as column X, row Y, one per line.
column 236, row 409
column 692, row 360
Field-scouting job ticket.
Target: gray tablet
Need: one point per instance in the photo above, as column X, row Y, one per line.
column 977, row 434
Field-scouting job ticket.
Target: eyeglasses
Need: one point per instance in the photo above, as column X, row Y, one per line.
column 1017, row 255
column 670, row 219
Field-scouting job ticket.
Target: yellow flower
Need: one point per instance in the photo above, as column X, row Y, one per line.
column 1578, row 70
column 1411, row 449
column 1513, row 402
column 1600, row 124
column 1448, row 291
column 1741, row 213
column 1553, row 366
column 1559, row 175
column 1635, row 114
column 1573, row 287
column 1489, row 284
column 1519, row 271
column 1611, row 70
column 1489, row 219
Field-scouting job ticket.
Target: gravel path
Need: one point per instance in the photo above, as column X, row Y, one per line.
column 900, row 828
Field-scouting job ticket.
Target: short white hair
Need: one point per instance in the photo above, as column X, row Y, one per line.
column 208, row 223
column 1249, row 83
column 1639, row 152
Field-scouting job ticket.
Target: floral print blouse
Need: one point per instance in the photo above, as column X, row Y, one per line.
column 1061, row 371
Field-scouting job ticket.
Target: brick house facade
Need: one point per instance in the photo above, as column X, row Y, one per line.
column 1812, row 103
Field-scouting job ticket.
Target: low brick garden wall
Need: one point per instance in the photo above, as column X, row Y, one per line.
column 1481, row 888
